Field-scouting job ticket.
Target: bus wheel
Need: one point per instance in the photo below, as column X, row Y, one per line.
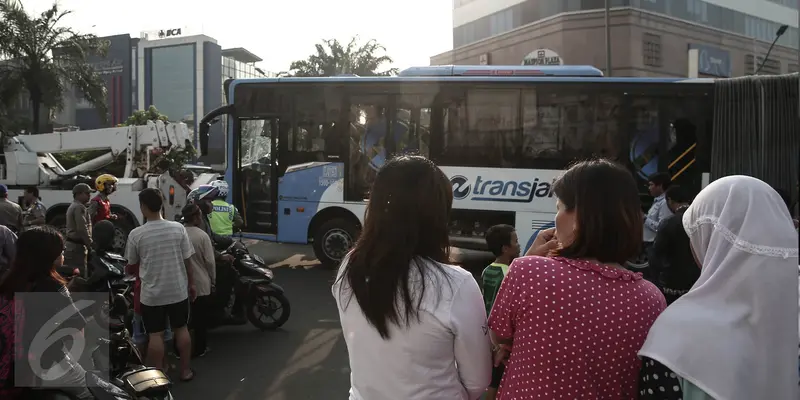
column 333, row 240
column 59, row 222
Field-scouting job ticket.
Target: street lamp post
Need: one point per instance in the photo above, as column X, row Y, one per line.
column 608, row 37
column 778, row 35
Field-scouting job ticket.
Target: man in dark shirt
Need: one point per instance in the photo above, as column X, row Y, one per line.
column 676, row 267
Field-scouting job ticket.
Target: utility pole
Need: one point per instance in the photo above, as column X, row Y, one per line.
column 608, row 38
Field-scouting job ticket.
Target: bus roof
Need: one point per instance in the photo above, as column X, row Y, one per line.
column 503, row 70
column 479, row 74
column 476, row 79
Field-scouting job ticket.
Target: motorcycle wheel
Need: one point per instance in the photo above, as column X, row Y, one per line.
column 259, row 300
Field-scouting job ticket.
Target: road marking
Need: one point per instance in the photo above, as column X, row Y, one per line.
column 296, row 261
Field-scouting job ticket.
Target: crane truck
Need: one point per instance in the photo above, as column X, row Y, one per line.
column 28, row 160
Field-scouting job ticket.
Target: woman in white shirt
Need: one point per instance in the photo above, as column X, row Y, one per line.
column 415, row 326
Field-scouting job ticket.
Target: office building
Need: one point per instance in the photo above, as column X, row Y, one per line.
column 714, row 38
column 179, row 74
column 116, row 70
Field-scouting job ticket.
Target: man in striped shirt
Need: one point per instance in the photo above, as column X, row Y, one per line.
column 162, row 249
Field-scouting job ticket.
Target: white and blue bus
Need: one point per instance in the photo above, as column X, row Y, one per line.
column 302, row 152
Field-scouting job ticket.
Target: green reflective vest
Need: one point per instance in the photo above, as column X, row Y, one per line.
column 221, row 217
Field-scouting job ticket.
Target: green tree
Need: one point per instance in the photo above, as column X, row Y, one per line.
column 47, row 60
column 141, row 117
column 332, row 58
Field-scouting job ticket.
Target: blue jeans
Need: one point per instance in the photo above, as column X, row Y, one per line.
column 139, row 334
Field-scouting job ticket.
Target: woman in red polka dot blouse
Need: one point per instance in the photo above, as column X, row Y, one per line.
column 573, row 316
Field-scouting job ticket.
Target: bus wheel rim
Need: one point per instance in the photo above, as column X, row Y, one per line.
column 337, row 243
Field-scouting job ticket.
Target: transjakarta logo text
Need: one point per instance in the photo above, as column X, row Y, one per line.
column 500, row 190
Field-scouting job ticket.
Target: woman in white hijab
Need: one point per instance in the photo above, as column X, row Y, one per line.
column 734, row 335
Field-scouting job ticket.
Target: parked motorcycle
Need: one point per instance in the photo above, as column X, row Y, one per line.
column 266, row 305
column 107, row 275
column 128, row 378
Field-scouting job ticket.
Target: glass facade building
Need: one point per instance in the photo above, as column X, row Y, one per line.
column 182, row 75
column 238, row 63
column 677, row 38
column 172, row 86
column 698, row 11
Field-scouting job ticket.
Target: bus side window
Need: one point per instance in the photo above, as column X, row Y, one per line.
column 482, row 131
column 312, row 137
column 367, row 134
column 411, row 128
column 567, row 125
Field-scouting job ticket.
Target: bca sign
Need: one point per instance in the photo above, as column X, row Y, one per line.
column 542, row 57
column 165, row 33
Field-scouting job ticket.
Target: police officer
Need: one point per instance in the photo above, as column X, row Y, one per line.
column 100, row 206
column 79, row 228
column 36, row 212
column 224, row 217
column 202, row 196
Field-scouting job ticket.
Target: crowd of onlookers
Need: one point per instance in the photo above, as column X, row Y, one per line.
column 714, row 315
column 14, row 219
column 174, row 264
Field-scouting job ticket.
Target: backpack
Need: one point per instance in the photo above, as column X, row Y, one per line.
column 12, row 320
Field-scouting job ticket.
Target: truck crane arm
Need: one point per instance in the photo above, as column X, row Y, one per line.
column 22, row 151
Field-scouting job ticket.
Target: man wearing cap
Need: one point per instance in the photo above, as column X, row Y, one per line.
column 79, row 228
column 10, row 212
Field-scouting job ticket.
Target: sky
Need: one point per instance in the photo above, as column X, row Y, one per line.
column 279, row 32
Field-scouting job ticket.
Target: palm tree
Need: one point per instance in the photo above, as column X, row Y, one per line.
column 46, row 60
column 332, row 58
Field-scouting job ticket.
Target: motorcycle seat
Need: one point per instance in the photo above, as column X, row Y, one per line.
column 117, row 329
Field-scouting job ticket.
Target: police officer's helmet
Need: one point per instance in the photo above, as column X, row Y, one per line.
column 222, row 186
column 203, row 192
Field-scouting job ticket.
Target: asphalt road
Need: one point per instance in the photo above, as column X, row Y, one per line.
column 306, row 359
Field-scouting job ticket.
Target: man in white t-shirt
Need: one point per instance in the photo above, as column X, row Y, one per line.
column 162, row 249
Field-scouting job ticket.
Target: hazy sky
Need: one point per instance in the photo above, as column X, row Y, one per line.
column 279, row 32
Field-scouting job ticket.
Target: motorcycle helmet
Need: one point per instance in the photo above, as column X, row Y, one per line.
column 103, row 234
column 203, row 193
column 103, row 180
column 223, row 188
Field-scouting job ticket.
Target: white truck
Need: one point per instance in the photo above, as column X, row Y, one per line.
column 28, row 160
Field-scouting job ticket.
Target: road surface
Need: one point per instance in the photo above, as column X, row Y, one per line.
column 306, row 359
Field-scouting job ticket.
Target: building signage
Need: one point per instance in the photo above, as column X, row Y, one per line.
column 165, row 33
column 484, row 59
column 542, row 57
column 108, row 67
column 161, row 34
column 712, row 61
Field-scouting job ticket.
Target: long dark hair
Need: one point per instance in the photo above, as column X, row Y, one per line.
column 38, row 248
column 406, row 221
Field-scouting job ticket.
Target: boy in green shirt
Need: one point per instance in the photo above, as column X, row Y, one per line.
column 503, row 243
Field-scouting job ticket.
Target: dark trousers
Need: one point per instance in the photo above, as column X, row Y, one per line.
column 201, row 308
column 226, row 280
column 651, row 272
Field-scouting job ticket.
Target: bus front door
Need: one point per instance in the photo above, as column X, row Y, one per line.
column 256, row 175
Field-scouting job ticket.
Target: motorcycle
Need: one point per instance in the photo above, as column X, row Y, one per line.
column 255, row 290
column 107, row 275
column 128, row 378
